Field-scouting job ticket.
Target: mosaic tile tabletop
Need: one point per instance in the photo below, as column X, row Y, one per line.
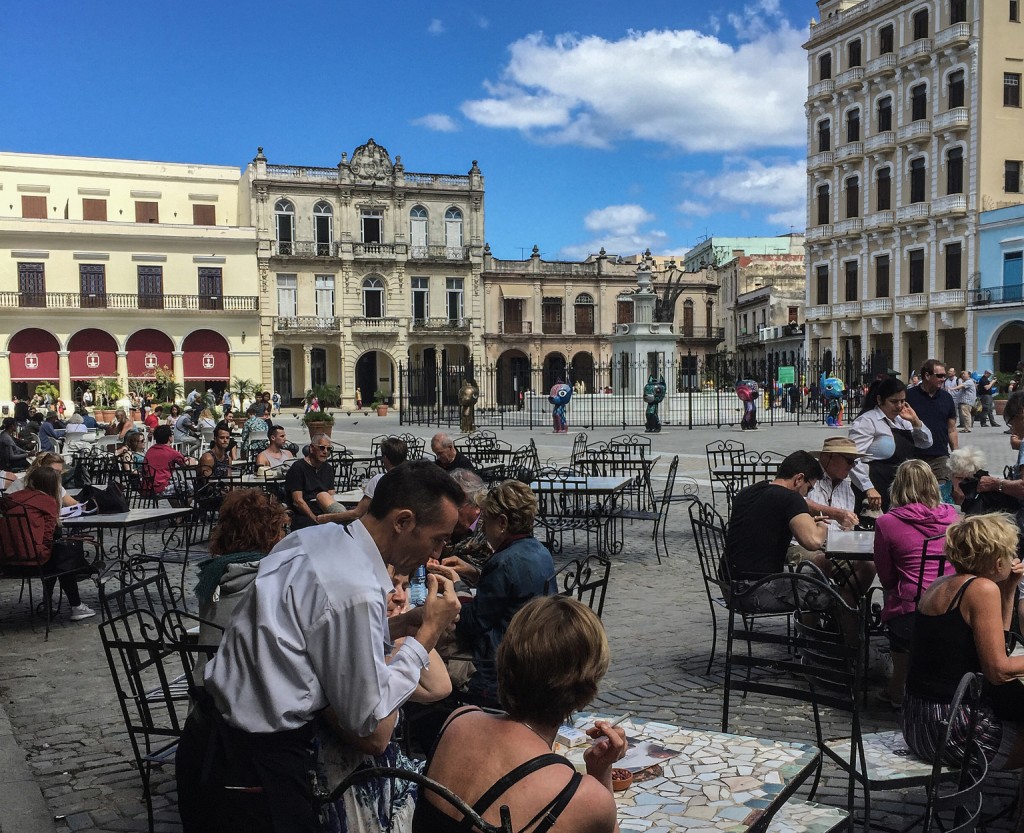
column 717, row 782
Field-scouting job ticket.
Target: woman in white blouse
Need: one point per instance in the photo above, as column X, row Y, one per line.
column 888, row 431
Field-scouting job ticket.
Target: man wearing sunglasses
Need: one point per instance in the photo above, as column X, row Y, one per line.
column 309, row 485
column 936, row 408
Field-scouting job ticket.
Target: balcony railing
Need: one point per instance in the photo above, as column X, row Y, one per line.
column 441, row 324
column 879, row 220
column 959, row 118
column 307, row 324
column 854, row 75
column 876, row 306
column 820, row 232
column 702, row 333
column 820, row 160
column 438, row 252
column 914, row 213
column 515, row 328
column 912, row 303
column 851, row 150
column 821, row 312
column 886, row 140
column 847, row 309
column 1010, row 294
column 918, row 51
column 303, row 173
column 373, row 250
column 921, row 128
column 950, row 205
column 949, row 299
column 959, row 34
column 362, row 322
column 849, row 227
column 821, row 89
column 127, row 301
column 304, row 248
column 882, row 65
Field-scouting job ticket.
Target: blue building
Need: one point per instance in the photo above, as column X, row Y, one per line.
column 996, row 303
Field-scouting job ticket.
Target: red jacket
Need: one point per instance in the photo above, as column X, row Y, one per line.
column 42, row 521
column 158, row 464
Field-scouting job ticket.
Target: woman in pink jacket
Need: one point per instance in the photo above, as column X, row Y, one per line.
column 915, row 514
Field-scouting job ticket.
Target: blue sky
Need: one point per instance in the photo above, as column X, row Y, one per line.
column 620, row 125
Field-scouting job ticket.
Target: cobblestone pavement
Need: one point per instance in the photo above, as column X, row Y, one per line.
column 63, row 715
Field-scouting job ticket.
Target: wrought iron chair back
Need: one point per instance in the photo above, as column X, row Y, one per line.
column 586, row 580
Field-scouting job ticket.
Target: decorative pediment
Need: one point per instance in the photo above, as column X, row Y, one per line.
column 371, row 162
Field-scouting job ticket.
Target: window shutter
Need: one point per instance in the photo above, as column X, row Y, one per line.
column 204, row 215
column 33, row 208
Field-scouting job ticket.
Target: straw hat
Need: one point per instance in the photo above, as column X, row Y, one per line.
column 839, row 445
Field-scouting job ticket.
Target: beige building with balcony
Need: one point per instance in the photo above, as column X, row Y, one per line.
column 362, row 267
column 914, row 123
column 544, row 317
column 111, row 267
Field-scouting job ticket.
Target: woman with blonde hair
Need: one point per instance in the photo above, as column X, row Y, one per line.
column 915, row 515
column 519, row 569
column 960, row 627
column 45, row 460
column 549, row 665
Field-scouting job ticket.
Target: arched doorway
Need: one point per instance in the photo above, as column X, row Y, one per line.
column 1007, row 348
column 554, row 371
column 513, row 372
column 32, row 359
column 375, row 372
column 583, row 370
column 149, row 351
column 206, row 361
column 91, row 353
column 283, row 373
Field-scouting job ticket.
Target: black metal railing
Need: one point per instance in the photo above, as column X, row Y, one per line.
column 1012, row 294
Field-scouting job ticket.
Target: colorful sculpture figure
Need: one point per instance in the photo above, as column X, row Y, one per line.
column 746, row 390
column 832, row 389
column 469, row 393
column 559, row 397
column 654, row 394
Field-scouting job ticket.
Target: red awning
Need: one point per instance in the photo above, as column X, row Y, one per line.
column 147, row 351
column 206, row 356
column 33, row 357
column 93, row 353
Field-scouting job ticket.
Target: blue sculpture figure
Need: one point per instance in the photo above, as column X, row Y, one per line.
column 559, row 397
column 654, row 394
column 832, row 389
column 746, row 390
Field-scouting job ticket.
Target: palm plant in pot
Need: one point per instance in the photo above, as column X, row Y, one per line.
column 380, row 402
column 106, row 391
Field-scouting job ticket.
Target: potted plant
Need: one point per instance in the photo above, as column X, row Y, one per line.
column 44, row 389
column 380, row 402
column 142, row 390
column 318, row 422
column 165, row 387
column 106, row 391
column 243, row 390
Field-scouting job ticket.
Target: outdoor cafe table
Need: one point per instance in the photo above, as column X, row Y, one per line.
column 578, row 503
column 716, row 782
column 850, row 544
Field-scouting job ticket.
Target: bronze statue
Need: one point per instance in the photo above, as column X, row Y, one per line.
column 469, row 393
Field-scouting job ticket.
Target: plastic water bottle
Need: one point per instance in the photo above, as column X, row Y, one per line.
column 418, row 587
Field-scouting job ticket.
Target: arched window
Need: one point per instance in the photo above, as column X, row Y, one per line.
column 418, row 238
column 453, row 228
column 584, row 314
column 373, row 297
column 688, row 318
column 284, row 220
column 323, row 228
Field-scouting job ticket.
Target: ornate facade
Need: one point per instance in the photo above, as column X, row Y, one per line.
column 364, row 266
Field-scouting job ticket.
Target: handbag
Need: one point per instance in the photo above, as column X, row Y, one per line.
column 76, row 477
column 976, row 408
column 110, row 500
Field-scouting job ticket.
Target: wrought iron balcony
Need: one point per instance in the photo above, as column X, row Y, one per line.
column 306, row 324
column 304, row 248
column 438, row 253
column 441, row 324
column 1009, row 294
column 691, row 333
column 128, row 301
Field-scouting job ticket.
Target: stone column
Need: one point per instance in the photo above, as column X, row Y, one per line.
column 307, row 368
column 122, row 370
column 64, row 374
column 179, row 367
column 5, row 378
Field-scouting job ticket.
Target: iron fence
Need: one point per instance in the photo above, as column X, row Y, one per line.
column 701, row 392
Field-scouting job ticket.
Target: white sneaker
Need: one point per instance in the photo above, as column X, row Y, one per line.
column 81, row 612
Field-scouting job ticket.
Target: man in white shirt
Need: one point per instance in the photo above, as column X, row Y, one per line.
column 310, row 633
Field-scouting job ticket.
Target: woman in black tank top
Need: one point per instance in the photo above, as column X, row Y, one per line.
column 550, row 661
column 959, row 628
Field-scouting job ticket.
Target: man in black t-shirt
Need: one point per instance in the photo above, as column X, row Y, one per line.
column 309, row 485
column 765, row 518
column 937, row 410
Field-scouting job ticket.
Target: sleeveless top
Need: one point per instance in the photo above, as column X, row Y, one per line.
column 429, row 819
column 943, row 651
column 221, row 468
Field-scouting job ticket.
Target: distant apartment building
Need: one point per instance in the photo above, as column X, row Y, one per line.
column 997, row 304
column 913, row 126
column 112, row 267
column 362, row 267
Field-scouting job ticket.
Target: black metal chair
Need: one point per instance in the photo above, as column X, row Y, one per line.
column 720, row 453
column 586, row 580
column 658, row 514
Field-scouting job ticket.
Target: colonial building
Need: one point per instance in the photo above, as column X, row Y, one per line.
column 913, row 125
column 111, row 267
column 996, row 306
column 362, row 267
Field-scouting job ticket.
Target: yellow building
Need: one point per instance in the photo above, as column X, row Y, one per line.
column 112, row 267
column 363, row 267
column 914, row 122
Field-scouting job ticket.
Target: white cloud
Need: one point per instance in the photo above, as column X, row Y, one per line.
column 482, row 22
column 618, row 231
column 617, row 218
column 755, row 19
column 681, row 88
column 440, row 122
column 748, row 186
column 436, row 27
